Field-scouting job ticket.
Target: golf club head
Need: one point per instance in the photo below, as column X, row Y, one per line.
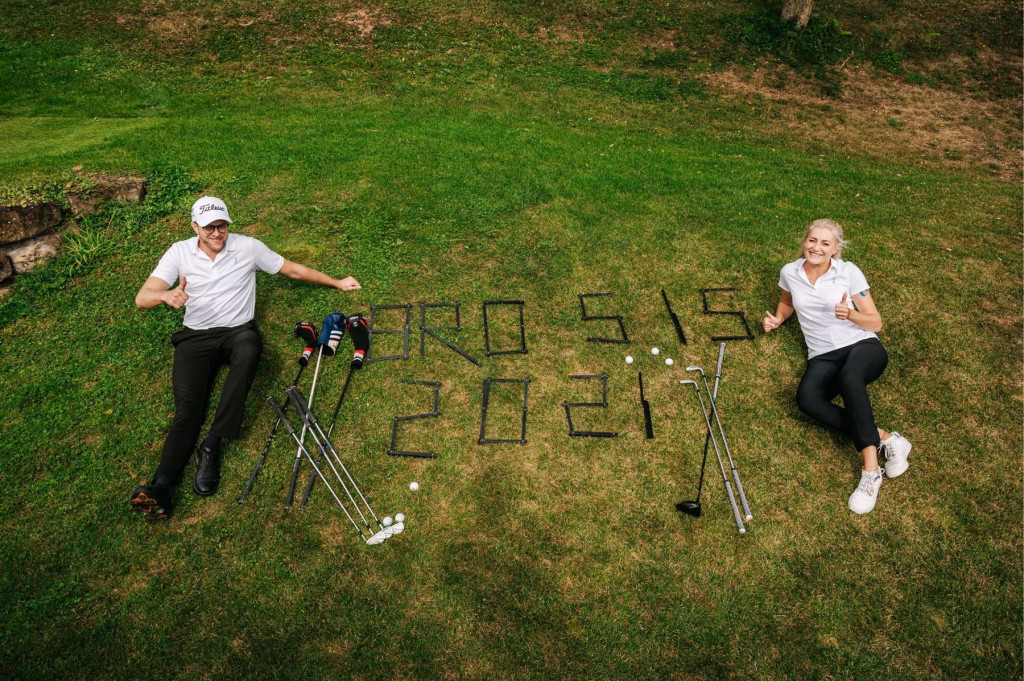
column 696, row 368
column 687, row 381
column 377, row 538
column 689, row 508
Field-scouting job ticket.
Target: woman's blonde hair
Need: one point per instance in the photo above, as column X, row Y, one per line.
column 832, row 226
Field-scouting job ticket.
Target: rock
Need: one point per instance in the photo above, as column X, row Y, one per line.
column 6, row 268
column 18, row 223
column 31, row 253
column 105, row 188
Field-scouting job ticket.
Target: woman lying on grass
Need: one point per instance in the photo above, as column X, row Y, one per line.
column 839, row 321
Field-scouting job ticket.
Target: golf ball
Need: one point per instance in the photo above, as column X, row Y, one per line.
column 655, row 351
column 414, row 486
column 387, row 521
column 629, row 359
column 399, row 517
column 668, row 361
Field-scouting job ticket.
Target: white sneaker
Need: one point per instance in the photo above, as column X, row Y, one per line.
column 863, row 498
column 897, row 449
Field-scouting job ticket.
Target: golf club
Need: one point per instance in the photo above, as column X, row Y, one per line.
column 302, row 449
column 330, row 429
column 328, row 450
column 357, row 328
column 693, row 507
column 331, row 333
column 718, row 455
column 307, row 333
column 725, row 443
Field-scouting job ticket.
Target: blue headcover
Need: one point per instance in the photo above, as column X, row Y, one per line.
column 332, row 332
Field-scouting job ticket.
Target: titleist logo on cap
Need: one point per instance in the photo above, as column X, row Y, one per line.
column 209, row 209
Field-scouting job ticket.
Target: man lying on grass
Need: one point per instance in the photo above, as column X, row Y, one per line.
column 217, row 271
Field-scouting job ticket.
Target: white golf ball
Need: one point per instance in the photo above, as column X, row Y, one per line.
column 399, row 517
column 668, row 361
column 414, row 486
column 629, row 359
column 655, row 351
column 387, row 521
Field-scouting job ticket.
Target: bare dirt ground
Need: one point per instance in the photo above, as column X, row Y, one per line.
column 885, row 117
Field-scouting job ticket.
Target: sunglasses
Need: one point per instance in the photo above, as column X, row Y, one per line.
column 210, row 229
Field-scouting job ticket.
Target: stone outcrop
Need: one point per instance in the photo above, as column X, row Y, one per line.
column 103, row 189
column 6, row 267
column 18, row 223
column 27, row 236
column 31, row 253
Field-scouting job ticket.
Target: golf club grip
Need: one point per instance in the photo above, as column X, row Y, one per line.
column 308, row 490
column 735, row 509
column 648, row 426
column 291, row 483
column 743, row 495
column 259, row 463
column 258, row 467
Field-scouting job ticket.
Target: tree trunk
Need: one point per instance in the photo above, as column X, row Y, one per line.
column 798, row 11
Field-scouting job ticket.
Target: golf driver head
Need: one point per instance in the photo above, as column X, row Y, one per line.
column 689, row 508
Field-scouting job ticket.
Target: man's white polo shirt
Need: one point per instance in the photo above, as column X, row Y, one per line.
column 815, row 304
column 221, row 292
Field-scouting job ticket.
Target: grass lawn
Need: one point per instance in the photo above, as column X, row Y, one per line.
column 515, row 151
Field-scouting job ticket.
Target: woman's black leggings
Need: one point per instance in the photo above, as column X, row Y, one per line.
column 845, row 372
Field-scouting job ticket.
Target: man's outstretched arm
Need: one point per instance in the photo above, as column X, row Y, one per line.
column 156, row 291
column 294, row 270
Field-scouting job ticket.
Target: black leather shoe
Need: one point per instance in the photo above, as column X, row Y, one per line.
column 152, row 500
column 207, row 470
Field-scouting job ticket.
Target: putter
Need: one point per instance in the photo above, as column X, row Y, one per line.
column 725, row 443
column 718, row 455
column 693, row 507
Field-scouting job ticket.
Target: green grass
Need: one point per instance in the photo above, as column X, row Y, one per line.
column 493, row 163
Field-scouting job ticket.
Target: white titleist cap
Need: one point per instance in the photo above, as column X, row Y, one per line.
column 207, row 210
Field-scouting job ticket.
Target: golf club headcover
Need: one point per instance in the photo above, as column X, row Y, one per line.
column 306, row 332
column 331, row 333
column 360, row 333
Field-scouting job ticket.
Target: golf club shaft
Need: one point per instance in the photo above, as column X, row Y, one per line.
column 330, row 429
column 707, row 437
column 325, row 457
column 725, row 444
column 316, row 468
column 721, row 466
column 308, row 415
column 298, row 452
column 266, row 448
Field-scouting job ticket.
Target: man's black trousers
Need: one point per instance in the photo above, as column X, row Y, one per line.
column 198, row 355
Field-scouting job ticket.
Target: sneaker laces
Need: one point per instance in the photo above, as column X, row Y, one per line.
column 867, row 483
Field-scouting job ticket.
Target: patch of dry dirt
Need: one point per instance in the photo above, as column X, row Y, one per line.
column 880, row 117
column 176, row 29
column 364, row 19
